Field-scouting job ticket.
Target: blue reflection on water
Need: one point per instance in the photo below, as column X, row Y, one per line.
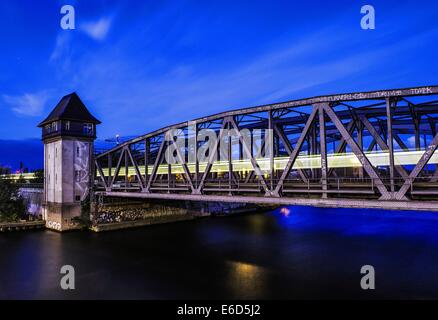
column 360, row 222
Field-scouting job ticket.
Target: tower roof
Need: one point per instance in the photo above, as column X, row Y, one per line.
column 70, row 108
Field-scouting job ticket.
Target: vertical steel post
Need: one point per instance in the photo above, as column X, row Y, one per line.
column 313, row 151
column 271, row 147
column 250, row 155
column 147, row 149
column 110, row 164
column 196, row 155
column 323, row 149
column 417, row 133
column 241, row 157
column 230, row 162
column 169, row 172
column 360, row 143
column 309, row 146
column 126, row 168
column 390, row 143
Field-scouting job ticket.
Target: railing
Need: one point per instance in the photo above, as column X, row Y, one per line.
column 31, row 185
column 346, row 185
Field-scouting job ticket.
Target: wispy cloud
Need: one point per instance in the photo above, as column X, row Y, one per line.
column 191, row 88
column 411, row 141
column 98, row 30
column 27, row 104
column 328, row 60
column 62, row 46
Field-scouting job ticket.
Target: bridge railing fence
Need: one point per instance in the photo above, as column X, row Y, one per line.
column 418, row 186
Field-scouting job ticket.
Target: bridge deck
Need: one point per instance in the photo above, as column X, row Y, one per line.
column 331, row 203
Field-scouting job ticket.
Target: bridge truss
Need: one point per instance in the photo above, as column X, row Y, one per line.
column 364, row 149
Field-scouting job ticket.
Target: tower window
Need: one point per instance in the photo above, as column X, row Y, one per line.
column 54, row 126
column 88, row 129
column 77, row 175
column 67, row 125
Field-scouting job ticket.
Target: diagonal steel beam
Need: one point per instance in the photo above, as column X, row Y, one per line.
column 259, row 151
column 137, row 170
column 382, row 144
column 116, row 172
column 185, row 168
column 372, row 130
column 99, row 168
column 417, row 169
column 289, row 149
column 358, row 152
column 254, row 164
column 293, row 156
column 372, row 145
column 400, row 142
column 211, row 157
column 342, row 143
column 156, row 165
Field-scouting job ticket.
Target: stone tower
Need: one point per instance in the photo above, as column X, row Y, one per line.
column 68, row 134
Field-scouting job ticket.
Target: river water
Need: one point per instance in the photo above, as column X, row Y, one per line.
column 294, row 252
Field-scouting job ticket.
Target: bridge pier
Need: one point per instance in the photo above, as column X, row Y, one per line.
column 111, row 213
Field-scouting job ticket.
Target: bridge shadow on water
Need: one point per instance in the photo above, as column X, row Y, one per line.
column 292, row 252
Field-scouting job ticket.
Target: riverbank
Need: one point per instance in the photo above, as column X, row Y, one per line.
column 18, row 226
column 151, row 218
column 139, row 223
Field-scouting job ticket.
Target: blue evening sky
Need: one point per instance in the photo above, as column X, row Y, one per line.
column 141, row 65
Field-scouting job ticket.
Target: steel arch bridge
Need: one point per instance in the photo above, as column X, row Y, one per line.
column 363, row 149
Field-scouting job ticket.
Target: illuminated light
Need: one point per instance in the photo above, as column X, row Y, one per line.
column 340, row 160
column 285, row 211
column 245, row 278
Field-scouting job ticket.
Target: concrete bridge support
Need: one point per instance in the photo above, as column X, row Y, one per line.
column 111, row 213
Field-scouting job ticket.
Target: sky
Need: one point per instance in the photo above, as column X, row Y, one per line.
column 142, row 65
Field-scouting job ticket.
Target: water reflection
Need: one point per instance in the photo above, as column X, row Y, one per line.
column 247, row 281
column 31, row 263
column 291, row 252
column 360, row 222
column 285, row 211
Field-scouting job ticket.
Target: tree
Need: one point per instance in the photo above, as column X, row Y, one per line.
column 5, row 170
column 12, row 206
column 38, row 176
